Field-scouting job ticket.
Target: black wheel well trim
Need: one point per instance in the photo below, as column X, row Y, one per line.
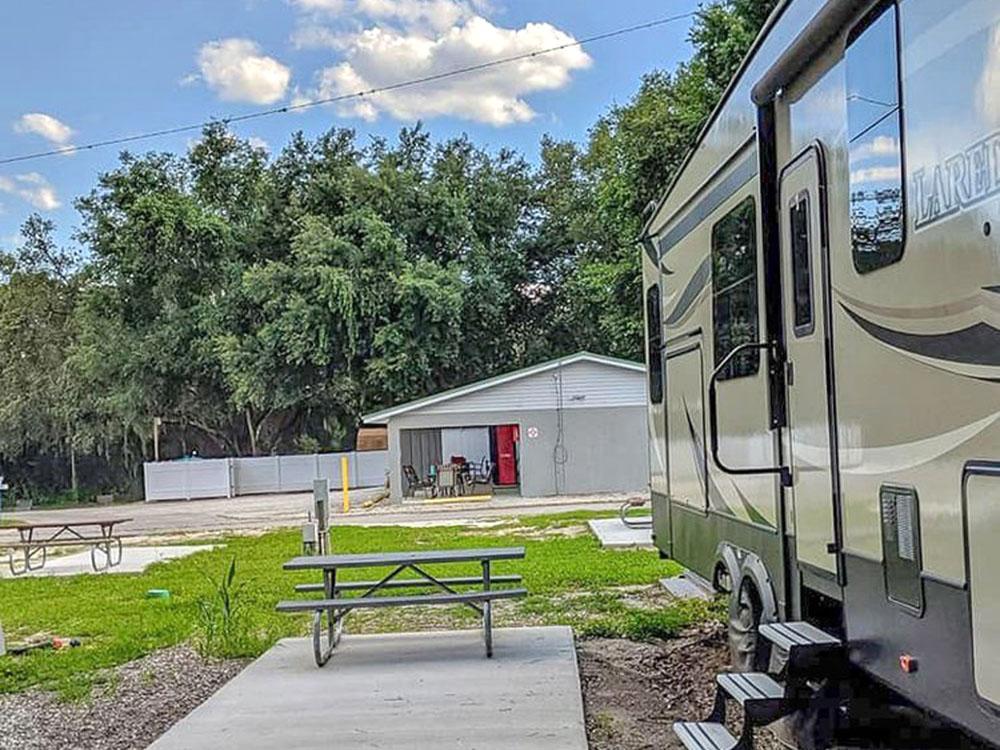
column 742, row 565
column 755, row 571
column 727, row 558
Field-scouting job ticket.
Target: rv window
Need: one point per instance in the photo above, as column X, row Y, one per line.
column 875, row 132
column 734, row 288
column 653, row 328
column 798, row 223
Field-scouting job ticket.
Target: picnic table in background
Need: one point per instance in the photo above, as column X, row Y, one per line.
column 36, row 538
column 336, row 607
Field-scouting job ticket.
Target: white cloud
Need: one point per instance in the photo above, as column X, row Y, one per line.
column 48, row 127
column 238, row 72
column 880, row 146
column 876, row 175
column 257, row 142
column 316, row 36
column 320, row 6
column 439, row 15
column 33, row 188
column 989, row 81
column 384, row 55
column 425, row 16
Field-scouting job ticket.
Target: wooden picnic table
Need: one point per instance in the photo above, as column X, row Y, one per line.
column 337, row 607
column 66, row 534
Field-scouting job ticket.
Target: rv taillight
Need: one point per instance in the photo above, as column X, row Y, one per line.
column 907, row 663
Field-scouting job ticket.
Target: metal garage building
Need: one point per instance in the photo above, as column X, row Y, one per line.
column 574, row 425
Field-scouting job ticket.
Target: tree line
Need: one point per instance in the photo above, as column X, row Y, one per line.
column 258, row 304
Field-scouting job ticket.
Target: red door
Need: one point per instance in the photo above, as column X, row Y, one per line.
column 506, row 437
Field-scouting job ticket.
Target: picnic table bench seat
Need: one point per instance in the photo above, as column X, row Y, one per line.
column 374, row 602
column 336, row 608
column 402, row 583
column 82, row 541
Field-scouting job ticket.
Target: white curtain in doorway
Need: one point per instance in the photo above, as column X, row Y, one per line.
column 471, row 442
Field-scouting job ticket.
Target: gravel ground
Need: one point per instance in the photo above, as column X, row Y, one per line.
column 634, row 692
column 138, row 702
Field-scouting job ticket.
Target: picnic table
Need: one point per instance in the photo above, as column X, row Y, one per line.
column 336, row 607
column 36, row 538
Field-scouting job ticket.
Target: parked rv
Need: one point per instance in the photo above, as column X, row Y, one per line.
column 822, row 294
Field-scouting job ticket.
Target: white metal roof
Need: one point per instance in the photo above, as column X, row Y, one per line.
column 381, row 417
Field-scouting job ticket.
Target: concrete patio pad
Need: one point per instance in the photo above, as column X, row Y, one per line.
column 687, row 585
column 134, row 560
column 400, row 692
column 613, row 533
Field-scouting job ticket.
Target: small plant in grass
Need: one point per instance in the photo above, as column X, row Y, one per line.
column 647, row 624
column 224, row 628
column 603, row 725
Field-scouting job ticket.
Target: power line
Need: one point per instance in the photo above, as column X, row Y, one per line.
column 230, row 119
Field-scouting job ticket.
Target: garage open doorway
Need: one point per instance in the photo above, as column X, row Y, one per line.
column 487, row 458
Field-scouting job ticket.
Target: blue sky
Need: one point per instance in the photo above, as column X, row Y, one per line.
column 87, row 71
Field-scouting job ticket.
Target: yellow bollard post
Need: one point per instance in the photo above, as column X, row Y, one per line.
column 345, row 484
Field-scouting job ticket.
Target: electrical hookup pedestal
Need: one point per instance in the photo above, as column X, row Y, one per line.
column 316, row 531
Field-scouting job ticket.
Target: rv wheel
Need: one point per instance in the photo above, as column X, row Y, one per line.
column 745, row 612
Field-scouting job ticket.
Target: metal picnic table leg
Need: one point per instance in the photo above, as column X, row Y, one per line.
column 12, row 555
column 29, row 555
column 334, row 622
column 30, row 551
column 116, row 560
column 106, row 547
column 487, row 611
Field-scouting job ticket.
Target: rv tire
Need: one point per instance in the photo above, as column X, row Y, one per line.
column 745, row 613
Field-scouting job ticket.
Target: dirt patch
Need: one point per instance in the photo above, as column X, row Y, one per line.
column 633, row 692
column 538, row 533
column 136, row 703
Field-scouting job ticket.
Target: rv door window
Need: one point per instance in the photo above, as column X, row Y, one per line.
column 653, row 327
column 734, row 288
column 875, row 133
column 798, row 219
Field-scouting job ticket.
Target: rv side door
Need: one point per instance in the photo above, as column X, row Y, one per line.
column 808, row 348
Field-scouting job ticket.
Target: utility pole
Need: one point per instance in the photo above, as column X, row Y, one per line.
column 73, row 483
column 156, row 438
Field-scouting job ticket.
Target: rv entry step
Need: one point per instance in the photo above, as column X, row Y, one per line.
column 704, row 735
column 762, row 698
column 798, row 635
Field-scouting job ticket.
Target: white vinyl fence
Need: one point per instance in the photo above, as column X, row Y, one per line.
column 231, row 477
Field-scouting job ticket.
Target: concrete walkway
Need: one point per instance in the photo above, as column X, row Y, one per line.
column 400, row 692
column 260, row 512
column 134, row 560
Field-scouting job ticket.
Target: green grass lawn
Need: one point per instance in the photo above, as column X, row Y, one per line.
column 570, row 580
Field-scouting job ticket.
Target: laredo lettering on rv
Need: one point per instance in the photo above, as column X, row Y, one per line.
column 960, row 182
